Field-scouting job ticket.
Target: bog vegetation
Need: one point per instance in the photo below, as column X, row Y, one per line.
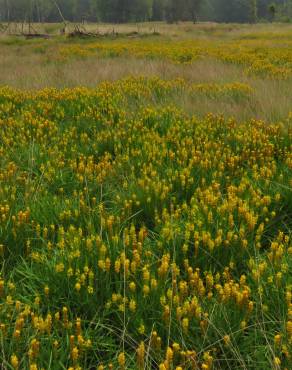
column 137, row 231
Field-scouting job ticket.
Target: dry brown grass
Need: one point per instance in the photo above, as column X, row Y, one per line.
column 271, row 100
column 181, row 29
column 22, row 69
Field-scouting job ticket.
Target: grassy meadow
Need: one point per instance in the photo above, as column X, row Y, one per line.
column 145, row 198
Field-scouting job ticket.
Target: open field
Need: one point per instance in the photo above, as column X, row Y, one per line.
column 255, row 55
column 145, row 198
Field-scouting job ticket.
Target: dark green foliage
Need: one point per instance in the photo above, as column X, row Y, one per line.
column 122, row 11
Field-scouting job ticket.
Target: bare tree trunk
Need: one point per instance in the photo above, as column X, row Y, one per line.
column 7, row 11
column 63, row 30
column 38, row 11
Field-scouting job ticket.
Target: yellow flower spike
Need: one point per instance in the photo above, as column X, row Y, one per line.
column 141, row 355
column 72, row 341
column 14, row 361
column 46, row 290
column 277, row 339
column 185, row 324
column 78, row 326
column 176, row 347
column 141, row 329
column 226, row 339
column 2, row 284
column 277, row 362
column 146, row 290
column 122, row 360
column 243, row 324
column 169, row 355
column 289, row 328
column 1, row 250
column 132, row 305
column 132, row 286
column 74, row 353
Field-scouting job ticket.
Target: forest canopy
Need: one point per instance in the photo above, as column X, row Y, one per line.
column 121, row 11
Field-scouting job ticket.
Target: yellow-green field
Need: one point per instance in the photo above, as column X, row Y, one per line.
column 145, row 199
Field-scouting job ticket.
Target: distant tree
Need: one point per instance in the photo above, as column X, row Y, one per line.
column 253, row 4
column 170, row 11
column 81, row 10
column 193, row 7
column 285, row 11
column 236, row 11
column 174, row 10
column 17, row 10
column 142, row 10
column 107, row 10
column 158, row 8
column 272, row 11
column 4, row 11
column 118, row 11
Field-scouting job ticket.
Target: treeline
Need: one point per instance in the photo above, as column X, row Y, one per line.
column 119, row 11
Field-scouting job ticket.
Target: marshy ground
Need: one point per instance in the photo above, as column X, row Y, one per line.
column 145, row 198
